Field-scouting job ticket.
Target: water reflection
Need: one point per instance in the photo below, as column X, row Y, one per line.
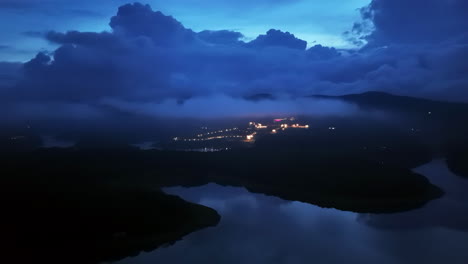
column 261, row 229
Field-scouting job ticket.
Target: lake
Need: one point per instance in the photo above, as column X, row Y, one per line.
column 262, row 229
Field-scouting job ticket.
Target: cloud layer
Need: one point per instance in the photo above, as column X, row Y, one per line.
column 412, row 48
column 417, row 21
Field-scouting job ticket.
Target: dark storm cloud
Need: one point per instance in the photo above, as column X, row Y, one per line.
column 414, row 48
column 319, row 52
column 226, row 37
column 135, row 20
column 149, row 58
column 416, row 21
column 276, row 38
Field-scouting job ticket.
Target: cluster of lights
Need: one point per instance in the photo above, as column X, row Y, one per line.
column 209, row 149
column 257, row 126
column 299, row 126
column 284, row 126
column 331, row 128
column 251, row 136
column 205, row 139
column 217, row 132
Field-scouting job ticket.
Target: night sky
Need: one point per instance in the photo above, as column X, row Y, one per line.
column 82, row 58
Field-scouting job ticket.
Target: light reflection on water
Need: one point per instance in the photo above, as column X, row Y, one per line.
column 262, row 229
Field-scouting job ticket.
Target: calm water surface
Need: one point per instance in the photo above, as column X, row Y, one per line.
column 262, row 229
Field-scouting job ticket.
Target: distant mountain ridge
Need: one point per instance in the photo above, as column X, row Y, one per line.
column 398, row 103
column 448, row 121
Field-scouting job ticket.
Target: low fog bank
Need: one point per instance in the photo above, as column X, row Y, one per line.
column 135, row 123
